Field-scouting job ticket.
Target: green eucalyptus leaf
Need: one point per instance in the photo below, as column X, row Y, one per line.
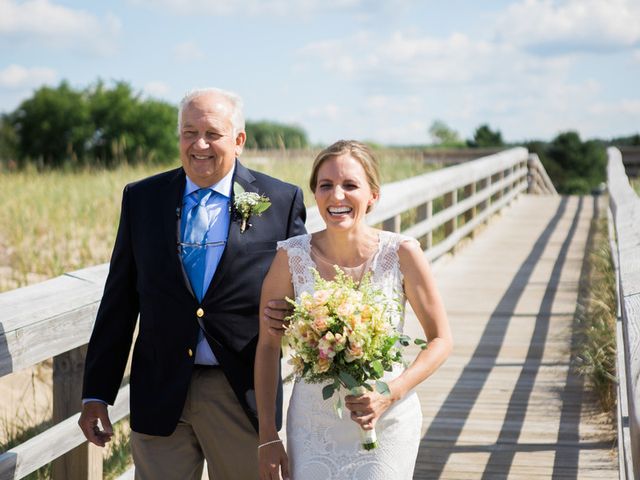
column 328, row 391
column 261, row 207
column 348, row 380
column 382, row 388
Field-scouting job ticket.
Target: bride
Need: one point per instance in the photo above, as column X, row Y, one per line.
column 320, row 445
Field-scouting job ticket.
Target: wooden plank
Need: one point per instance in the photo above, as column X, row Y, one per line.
column 34, row 342
column 625, row 208
column 460, row 446
column 394, row 199
column 451, row 241
column 54, row 442
column 470, row 191
column 85, row 461
column 625, row 464
column 421, row 228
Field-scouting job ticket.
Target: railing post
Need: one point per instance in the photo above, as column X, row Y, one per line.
column 470, row 191
column 424, row 212
column 532, row 176
column 450, row 199
column 511, row 185
column 392, row 224
column 83, row 462
column 484, row 184
column 429, row 215
column 500, row 193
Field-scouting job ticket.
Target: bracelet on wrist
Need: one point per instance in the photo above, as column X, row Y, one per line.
column 269, row 443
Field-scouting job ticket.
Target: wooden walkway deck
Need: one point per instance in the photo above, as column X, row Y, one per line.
column 506, row 404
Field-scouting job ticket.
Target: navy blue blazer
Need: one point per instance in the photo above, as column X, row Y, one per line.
column 146, row 278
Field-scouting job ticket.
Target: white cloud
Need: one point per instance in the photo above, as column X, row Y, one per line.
column 551, row 26
column 38, row 21
column 157, row 89
column 19, row 77
column 188, row 52
column 407, row 80
column 256, row 7
column 418, row 62
column 330, row 112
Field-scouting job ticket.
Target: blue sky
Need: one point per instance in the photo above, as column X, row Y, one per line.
column 366, row 69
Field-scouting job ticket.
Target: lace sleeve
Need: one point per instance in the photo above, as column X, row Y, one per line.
column 297, row 249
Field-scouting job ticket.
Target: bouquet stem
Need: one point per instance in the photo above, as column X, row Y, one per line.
column 368, row 439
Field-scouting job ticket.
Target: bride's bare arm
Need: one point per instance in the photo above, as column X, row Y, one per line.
column 272, row 457
column 424, row 298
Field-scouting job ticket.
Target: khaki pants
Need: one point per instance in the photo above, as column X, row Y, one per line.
column 212, row 426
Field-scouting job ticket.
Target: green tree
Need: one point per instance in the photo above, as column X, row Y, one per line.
column 114, row 119
column 100, row 124
column 444, row 136
column 586, row 160
column 265, row 135
column 8, row 141
column 485, row 137
column 575, row 167
column 630, row 141
column 129, row 129
column 157, row 130
column 53, row 126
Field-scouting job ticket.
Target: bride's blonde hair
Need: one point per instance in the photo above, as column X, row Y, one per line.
column 357, row 150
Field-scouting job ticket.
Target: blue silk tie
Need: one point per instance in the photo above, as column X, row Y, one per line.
column 194, row 252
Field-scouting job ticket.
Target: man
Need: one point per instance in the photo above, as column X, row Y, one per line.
column 185, row 261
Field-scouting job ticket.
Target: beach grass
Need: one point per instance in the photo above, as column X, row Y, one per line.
column 597, row 319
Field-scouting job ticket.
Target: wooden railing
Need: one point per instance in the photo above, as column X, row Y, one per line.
column 539, row 181
column 54, row 318
column 624, row 232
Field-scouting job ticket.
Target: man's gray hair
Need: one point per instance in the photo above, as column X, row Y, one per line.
column 237, row 117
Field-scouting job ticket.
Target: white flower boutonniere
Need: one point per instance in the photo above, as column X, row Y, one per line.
column 247, row 204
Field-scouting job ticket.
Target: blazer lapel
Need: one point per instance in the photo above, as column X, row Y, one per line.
column 172, row 214
column 235, row 239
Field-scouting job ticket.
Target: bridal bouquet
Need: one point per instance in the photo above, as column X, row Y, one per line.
column 342, row 335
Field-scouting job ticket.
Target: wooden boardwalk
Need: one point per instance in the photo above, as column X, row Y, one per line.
column 506, row 404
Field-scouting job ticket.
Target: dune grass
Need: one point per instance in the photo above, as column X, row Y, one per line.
column 597, row 317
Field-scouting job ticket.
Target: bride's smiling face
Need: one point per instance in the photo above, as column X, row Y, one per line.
column 342, row 193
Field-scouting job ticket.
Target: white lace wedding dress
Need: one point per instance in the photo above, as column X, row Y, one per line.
column 322, row 446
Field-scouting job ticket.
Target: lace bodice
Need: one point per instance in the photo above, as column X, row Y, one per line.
column 384, row 266
column 322, row 446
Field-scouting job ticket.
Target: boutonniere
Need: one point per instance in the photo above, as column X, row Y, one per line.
column 247, row 204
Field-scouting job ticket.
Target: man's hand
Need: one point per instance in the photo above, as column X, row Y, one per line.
column 275, row 314
column 92, row 412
